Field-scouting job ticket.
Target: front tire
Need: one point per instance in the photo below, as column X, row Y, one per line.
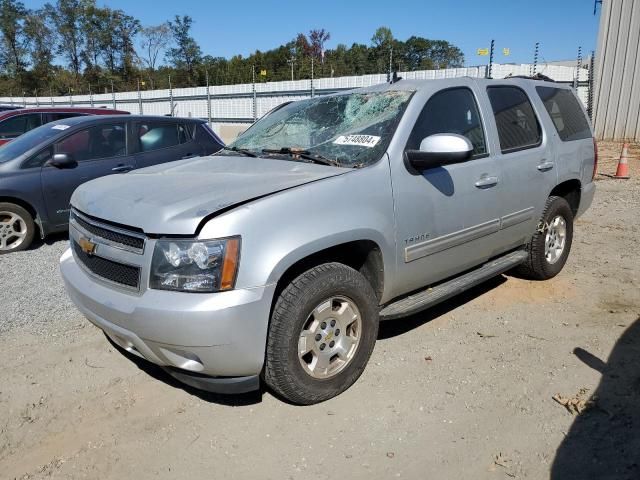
column 16, row 228
column 549, row 247
column 323, row 329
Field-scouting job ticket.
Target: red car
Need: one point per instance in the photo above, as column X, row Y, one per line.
column 14, row 123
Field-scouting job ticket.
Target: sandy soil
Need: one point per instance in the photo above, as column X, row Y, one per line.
column 461, row 391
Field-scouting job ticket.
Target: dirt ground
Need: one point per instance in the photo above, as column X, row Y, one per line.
column 461, row 391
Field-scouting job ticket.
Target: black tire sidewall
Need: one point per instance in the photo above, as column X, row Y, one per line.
column 330, row 280
column 28, row 220
column 557, row 206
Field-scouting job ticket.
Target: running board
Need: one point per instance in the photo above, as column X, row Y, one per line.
column 432, row 296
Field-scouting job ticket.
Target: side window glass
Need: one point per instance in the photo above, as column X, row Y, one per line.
column 52, row 117
column 157, row 135
column 33, row 120
column 39, row 159
column 450, row 111
column 185, row 132
column 518, row 126
column 102, row 141
column 14, row 126
column 565, row 112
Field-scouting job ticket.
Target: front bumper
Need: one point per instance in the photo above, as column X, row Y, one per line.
column 205, row 340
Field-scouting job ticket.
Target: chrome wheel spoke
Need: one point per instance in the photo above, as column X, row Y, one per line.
column 345, row 315
column 330, row 337
column 320, row 364
column 346, row 344
column 306, row 343
column 555, row 239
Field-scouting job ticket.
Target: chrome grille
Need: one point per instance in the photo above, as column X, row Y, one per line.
column 114, row 272
column 108, row 234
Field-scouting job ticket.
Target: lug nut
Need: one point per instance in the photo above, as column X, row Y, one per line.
column 337, row 332
column 318, row 337
column 323, row 325
column 322, row 346
column 331, row 344
column 333, row 323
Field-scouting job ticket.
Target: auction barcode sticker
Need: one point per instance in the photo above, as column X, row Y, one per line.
column 368, row 141
column 60, row 127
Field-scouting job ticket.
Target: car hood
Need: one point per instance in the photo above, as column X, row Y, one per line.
column 174, row 198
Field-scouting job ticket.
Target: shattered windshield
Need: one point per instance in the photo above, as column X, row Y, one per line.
column 349, row 130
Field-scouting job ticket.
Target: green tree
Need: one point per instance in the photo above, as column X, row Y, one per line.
column 186, row 53
column 41, row 36
column 13, row 55
column 154, row 41
column 68, row 17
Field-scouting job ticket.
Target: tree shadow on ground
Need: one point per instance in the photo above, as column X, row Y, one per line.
column 604, row 442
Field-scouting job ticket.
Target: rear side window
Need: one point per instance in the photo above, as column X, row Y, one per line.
column 450, row 111
column 518, row 126
column 565, row 112
column 158, row 135
column 13, row 127
column 52, row 117
column 185, row 132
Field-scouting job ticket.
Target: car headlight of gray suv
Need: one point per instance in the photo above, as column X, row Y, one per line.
column 204, row 266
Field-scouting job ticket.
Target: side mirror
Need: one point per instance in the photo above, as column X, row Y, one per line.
column 440, row 149
column 63, row 160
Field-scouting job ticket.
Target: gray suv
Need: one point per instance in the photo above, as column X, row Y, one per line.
column 276, row 258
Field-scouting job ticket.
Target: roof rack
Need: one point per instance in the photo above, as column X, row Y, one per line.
column 537, row 76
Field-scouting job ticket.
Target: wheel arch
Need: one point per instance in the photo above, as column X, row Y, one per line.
column 37, row 219
column 363, row 255
column 571, row 191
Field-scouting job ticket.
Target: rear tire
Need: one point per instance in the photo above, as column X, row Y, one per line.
column 323, row 329
column 16, row 228
column 550, row 245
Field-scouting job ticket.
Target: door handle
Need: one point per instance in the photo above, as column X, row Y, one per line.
column 486, row 181
column 545, row 166
column 122, row 168
column 189, row 155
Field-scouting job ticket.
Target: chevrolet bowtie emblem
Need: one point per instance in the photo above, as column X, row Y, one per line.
column 87, row 246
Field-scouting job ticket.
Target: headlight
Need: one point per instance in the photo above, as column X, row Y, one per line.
column 195, row 266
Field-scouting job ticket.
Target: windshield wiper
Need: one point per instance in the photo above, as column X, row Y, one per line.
column 243, row 151
column 305, row 154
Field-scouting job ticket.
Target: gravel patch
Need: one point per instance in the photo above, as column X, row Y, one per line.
column 33, row 294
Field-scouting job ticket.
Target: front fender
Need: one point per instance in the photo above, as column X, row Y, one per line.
column 279, row 230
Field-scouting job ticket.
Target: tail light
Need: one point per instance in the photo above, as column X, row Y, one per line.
column 595, row 159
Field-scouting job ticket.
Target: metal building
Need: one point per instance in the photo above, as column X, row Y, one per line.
column 617, row 73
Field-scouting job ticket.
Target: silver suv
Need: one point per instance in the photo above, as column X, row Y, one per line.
column 276, row 258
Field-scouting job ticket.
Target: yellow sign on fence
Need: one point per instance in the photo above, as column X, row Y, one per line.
column 263, row 73
column 506, row 52
column 483, row 52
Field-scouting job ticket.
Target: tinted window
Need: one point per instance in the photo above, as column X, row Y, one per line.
column 39, row 159
column 15, row 126
column 185, row 132
column 157, row 135
column 52, row 117
column 565, row 112
column 26, row 142
column 518, row 126
column 102, row 141
column 450, row 111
